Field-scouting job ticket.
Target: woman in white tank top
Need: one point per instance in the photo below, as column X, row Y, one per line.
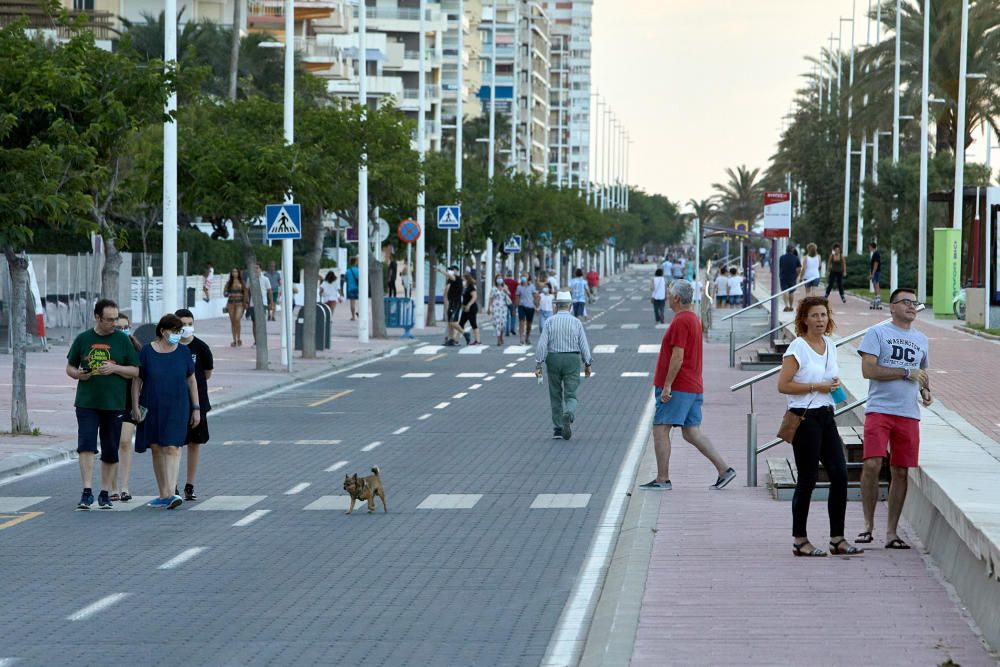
column 810, row 269
column 659, row 296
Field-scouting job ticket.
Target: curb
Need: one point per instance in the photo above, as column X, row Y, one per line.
column 975, row 332
column 22, row 464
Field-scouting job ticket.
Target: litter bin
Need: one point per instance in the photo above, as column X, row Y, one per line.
column 399, row 313
column 323, row 327
column 190, row 297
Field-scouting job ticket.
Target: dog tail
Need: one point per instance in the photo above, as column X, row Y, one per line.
column 375, row 470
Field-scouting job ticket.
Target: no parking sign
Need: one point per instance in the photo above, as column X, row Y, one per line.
column 408, row 231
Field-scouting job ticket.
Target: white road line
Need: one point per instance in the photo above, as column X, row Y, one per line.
column 566, row 644
column 428, row 349
column 512, row 364
column 450, row 501
column 460, row 394
column 595, row 327
column 246, row 442
column 424, row 416
column 489, row 378
column 336, row 466
column 181, row 558
column 363, row 376
column 521, row 358
column 18, row 503
column 371, row 446
column 560, row 501
column 442, row 405
column 649, row 349
column 100, row 605
column 517, row 349
column 630, row 326
column 500, row 372
column 635, row 374
column 250, row 518
column 473, row 349
column 330, row 503
column 471, row 375
column 298, row 488
column 418, row 375
column 317, row 442
column 227, row 503
column 401, row 430
column 662, row 326
column 605, row 349
column 473, row 387
column 523, row 375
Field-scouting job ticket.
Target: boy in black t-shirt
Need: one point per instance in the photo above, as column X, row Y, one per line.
column 201, row 355
column 875, row 275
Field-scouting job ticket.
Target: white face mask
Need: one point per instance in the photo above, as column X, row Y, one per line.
column 187, row 331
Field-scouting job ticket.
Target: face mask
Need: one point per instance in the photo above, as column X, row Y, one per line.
column 174, row 338
column 500, row 281
column 127, row 332
column 524, row 281
column 545, row 290
column 187, row 332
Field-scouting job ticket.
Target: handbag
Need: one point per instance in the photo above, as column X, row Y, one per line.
column 790, row 422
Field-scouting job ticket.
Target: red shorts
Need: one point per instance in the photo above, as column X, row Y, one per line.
column 900, row 435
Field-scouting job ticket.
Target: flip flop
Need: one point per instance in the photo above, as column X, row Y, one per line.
column 865, row 537
column 897, row 544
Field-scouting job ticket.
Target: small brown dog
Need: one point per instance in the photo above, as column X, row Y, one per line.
column 365, row 488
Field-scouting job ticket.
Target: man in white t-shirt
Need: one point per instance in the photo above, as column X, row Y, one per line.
column 721, row 289
column 735, row 286
column 265, row 290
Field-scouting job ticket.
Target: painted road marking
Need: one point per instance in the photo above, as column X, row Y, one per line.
column 662, row 326
column 181, row 558
column 100, row 605
column 544, row 501
column 246, row 442
column 605, row 349
column 521, row 358
column 460, row 394
column 635, row 298
column 18, row 503
column 330, row 398
column 489, row 378
column 228, row 503
column 635, row 374
column 596, row 326
column 512, row 364
column 298, row 488
column 424, row 416
column 450, row 501
column 471, row 375
column 473, row 349
column 428, row 349
column 442, row 405
column 500, row 371
column 336, row 466
column 401, row 430
column 6, row 521
column 630, row 326
column 436, row 356
column 473, row 387
column 330, row 503
column 523, row 375
column 649, row 349
column 371, row 446
column 317, row 442
column 363, row 376
column 517, row 349
column 135, row 503
column 250, row 518
column 418, row 375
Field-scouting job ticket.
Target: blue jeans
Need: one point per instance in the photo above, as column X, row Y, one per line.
column 511, row 320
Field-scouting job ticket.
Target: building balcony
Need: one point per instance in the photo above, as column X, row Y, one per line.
column 265, row 11
column 324, row 58
column 430, row 92
column 101, row 23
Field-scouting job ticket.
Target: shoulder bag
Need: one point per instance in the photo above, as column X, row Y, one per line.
column 790, row 422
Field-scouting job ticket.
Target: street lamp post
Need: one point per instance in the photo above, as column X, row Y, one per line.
column 492, row 149
column 893, row 256
column 960, row 131
column 287, row 344
column 363, row 305
column 847, row 152
column 420, row 311
column 170, row 166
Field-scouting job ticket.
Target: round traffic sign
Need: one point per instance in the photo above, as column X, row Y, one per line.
column 408, row 231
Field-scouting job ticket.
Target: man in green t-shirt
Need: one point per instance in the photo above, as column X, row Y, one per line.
column 101, row 360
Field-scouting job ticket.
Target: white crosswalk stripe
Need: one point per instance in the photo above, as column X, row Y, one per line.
column 450, row 501
column 597, row 327
column 635, row 374
column 428, row 349
column 18, row 503
column 649, row 349
column 517, row 349
column 630, row 326
column 560, row 501
column 364, row 376
column 473, row 349
column 605, row 349
column 471, row 375
column 417, row 375
column 228, row 503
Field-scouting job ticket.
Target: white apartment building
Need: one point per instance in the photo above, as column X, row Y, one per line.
column 523, row 77
column 569, row 131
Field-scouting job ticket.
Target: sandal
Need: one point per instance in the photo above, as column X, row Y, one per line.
column 850, row 551
column 815, row 553
column 124, row 496
column 865, row 537
column 896, row 544
column 114, row 497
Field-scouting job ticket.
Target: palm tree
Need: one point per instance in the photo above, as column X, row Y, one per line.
column 742, row 197
column 704, row 210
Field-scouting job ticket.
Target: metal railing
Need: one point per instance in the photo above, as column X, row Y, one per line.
column 752, row 449
column 732, row 319
column 762, row 336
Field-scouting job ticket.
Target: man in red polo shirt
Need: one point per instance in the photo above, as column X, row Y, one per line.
column 679, row 391
column 511, row 309
column 593, row 281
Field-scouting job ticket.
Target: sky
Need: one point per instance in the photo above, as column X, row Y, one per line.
column 702, row 85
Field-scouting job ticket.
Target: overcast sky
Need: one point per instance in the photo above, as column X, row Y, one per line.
column 702, row 85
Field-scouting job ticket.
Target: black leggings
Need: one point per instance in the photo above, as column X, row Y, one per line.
column 838, row 278
column 470, row 317
column 817, row 440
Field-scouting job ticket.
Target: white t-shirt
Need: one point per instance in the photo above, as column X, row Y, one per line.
column 659, row 288
column 545, row 301
column 328, row 291
column 813, row 369
column 553, row 284
column 810, row 267
column 721, row 286
column 735, row 286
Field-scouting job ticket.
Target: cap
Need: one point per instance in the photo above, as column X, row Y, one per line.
column 564, row 297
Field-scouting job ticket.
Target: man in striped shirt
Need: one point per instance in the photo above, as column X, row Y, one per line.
column 562, row 345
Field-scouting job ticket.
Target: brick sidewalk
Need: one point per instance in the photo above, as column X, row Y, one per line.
column 51, row 392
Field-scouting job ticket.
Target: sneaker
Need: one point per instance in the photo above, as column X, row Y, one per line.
column 567, row 426
column 724, row 478
column 103, row 501
column 189, row 493
column 557, row 434
column 86, row 500
column 467, row 337
column 174, row 502
column 659, row 486
column 158, row 503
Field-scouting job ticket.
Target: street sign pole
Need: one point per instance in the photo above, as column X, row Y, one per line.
column 449, row 248
column 287, row 344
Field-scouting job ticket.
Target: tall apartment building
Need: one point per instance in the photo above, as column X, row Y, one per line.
column 523, row 76
column 569, row 131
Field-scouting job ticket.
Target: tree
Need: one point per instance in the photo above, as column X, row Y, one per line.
column 742, row 196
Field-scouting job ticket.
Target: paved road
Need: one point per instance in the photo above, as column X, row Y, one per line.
column 265, row 568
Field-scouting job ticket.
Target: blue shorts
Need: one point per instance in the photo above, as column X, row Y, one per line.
column 813, row 283
column 578, row 308
column 876, row 278
column 106, row 424
column 683, row 409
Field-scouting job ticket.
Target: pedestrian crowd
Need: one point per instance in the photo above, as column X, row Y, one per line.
column 157, row 392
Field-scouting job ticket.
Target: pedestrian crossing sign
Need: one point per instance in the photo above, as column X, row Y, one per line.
column 513, row 244
column 284, row 221
column 449, row 217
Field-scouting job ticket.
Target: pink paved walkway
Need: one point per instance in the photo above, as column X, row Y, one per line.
column 724, row 589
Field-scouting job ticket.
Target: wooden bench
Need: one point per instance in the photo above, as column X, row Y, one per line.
column 782, row 473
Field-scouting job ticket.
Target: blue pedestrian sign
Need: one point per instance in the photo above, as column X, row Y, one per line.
column 450, row 217
column 611, row 241
column 513, row 244
column 284, row 221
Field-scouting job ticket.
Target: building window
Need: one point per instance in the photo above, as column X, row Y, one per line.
column 83, row 5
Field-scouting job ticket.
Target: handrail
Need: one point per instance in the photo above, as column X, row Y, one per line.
column 761, row 303
column 763, row 335
column 836, row 413
column 840, row 341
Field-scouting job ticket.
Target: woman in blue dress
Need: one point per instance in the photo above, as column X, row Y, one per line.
column 167, row 392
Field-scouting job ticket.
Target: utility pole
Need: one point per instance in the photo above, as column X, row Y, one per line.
column 170, row 165
column 363, row 305
column 417, row 272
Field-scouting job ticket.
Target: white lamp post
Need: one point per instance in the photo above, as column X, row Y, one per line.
column 363, row 305
column 960, row 129
column 170, row 166
column 492, row 149
column 847, row 151
column 287, row 333
column 417, row 273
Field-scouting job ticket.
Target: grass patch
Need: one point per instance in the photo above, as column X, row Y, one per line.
column 865, row 293
column 993, row 331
